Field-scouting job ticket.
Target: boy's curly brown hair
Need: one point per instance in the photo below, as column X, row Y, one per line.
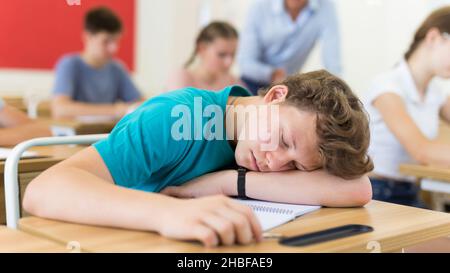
column 342, row 124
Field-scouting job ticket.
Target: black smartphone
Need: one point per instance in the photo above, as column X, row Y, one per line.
column 325, row 235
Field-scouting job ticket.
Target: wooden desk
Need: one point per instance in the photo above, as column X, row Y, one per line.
column 395, row 227
column 18, row 241
column 430, row 172
column 44, row 108
column 75, row 127
column 435, row 179
column 30, row 168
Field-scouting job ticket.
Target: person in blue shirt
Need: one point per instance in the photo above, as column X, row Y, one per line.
column 279, row 35
column 310, row 147
column 93, row 82
column 16, row 127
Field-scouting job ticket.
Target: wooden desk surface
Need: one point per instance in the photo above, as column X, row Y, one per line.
column 53, row 155
column 44, row 113
column 431, row 172
column 19, row 241
column 421, row 171
column 395, row 227
column 44, row 108
column 101, row 126
column 79, row 123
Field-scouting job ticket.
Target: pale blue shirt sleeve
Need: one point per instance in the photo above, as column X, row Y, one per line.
column 250, row 49
column 2, row 104
column 330, row 39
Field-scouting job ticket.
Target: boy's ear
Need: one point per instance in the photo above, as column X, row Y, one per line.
column 85, row 35
column 276, row 94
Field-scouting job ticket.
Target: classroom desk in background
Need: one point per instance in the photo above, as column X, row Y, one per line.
column 30, row 168
column 434, row 179
column 430, row 172
column 395, row 227
column 62, row 127
column 43, row 109
column 69, row 127
column 15, row 241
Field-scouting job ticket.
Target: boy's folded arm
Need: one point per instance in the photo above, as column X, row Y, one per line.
column 296, row 187
column 76, row 195
column 309, row 188
column 81, row 190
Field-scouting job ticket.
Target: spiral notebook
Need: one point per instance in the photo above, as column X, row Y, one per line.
column 271, row 214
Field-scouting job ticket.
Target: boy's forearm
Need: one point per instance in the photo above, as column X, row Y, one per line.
column 11, row 117
column 13, row 136
column 297, row 187
column 74, row 195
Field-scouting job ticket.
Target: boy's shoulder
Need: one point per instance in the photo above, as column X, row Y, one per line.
column 189, row 97
column 186, row 95
column 208, row 96
column 192, row 97
column 159, row 111
column 71, row 58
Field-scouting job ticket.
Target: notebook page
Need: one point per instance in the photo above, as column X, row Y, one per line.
column 271, row 214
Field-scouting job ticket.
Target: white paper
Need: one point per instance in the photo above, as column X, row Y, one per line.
column 271, row 215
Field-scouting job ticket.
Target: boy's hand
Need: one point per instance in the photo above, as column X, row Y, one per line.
column 223, row 182
column 212, row 220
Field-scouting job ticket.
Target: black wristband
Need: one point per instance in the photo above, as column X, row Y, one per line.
column 241, row 183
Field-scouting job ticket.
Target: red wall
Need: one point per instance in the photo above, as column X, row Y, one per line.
column 35, row 33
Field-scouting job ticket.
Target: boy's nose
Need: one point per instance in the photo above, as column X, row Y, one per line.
column 277, row 160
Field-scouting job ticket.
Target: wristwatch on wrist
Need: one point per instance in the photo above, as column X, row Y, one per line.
column 241, row 183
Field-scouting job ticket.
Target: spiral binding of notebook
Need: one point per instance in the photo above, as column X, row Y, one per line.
column 271, row 209
column 272, row 214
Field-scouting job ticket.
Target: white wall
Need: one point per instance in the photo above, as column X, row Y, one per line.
column 375, row 34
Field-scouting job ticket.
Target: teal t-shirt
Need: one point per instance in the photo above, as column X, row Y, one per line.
column 170, row 139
